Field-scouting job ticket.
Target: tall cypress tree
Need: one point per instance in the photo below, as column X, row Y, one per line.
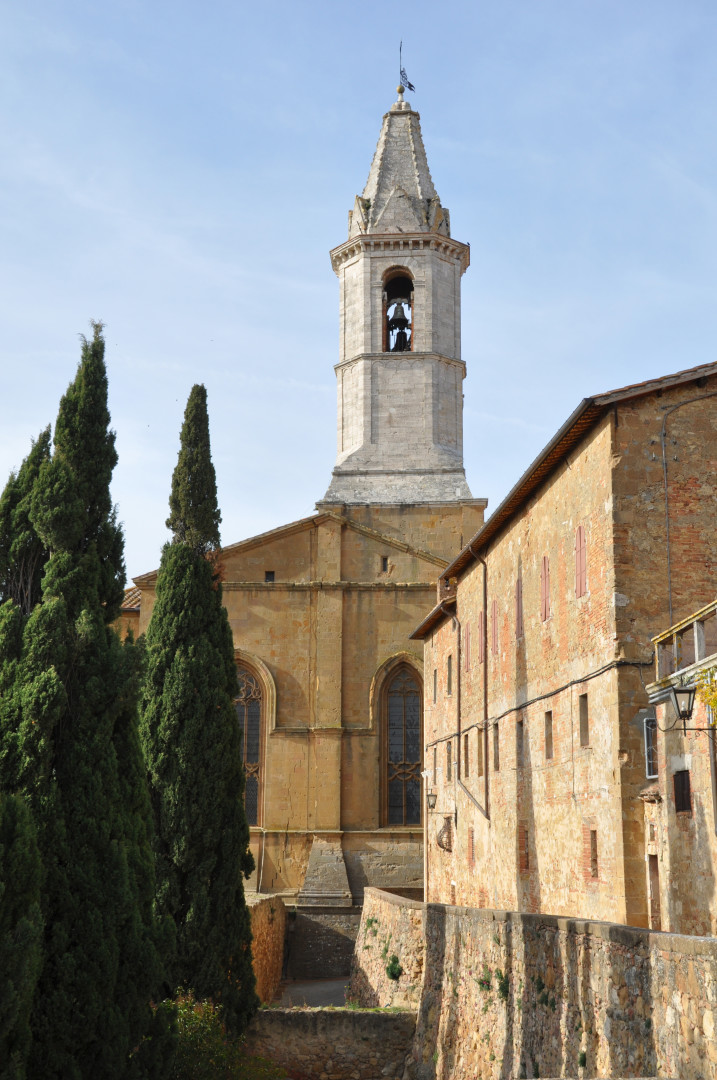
column 192, row 744
column 69, row 744
column 22, row 554
column 20, row 932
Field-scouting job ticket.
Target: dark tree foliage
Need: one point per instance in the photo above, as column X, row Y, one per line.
column 20, row 932
column 192, row 745
column 69, row 743
column 22, row 554
column 194, row 516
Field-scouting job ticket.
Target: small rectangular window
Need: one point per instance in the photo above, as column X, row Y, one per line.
column 269, row 576
column 449, row 676
column 384, row 564
column 435, row 685
column 545, row 589
column 479, row 755
column 496, row 749
column 651, row 747
column 519, row 745
column 519, row 607
column 449, row 761
column 584, row 720
column 580, row 562
column 593, row 854
column 435, row 764
column 548, row 736
column 466, row 757
column 683, row 803
column 523, row 849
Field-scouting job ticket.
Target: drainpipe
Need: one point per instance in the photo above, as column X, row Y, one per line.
column 486, row 786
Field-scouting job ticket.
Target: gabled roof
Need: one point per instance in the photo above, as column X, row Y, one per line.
column 565, row 439
column 314, row 521
column 132, row 598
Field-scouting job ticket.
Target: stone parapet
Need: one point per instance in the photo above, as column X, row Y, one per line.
column 314, row 1044
column 504, row 994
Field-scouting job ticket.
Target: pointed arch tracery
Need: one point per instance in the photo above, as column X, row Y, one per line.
column 399, row 701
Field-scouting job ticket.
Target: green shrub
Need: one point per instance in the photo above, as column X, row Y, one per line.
column 582, row 1059
column 393, row 968
column 485, row 979
column 206, row 1052
column 503, row 984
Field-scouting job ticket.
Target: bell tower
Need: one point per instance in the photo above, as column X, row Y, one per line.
column 400, row 372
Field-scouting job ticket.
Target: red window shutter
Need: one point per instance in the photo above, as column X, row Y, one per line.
column 467, row 647
column 580, row 562
column 481, row 638
column 494, row 627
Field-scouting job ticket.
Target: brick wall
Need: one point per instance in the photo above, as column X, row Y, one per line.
column 507, row 994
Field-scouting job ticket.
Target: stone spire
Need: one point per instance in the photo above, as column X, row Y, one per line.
column 400, row 372
column 399, row 195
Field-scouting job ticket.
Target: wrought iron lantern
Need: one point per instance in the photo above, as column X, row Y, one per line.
column 431, row 797
column 683, row 702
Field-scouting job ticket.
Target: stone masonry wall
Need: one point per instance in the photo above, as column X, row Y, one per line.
column 268, row 927
column 503, row 994
column 331, row 1044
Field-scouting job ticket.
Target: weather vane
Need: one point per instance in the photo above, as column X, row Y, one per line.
column 404, row 76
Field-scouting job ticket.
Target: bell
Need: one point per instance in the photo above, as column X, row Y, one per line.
column 398, row 320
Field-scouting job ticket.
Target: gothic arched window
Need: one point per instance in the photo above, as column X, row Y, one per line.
column 249, row 716
column 398, row 313
column 402, row 734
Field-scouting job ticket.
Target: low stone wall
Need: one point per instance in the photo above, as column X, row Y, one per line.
column 268, row 926
column 502, row 994
column 340, row 1044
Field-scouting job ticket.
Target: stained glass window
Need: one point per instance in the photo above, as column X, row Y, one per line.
column 403, row 749
column 248, row 707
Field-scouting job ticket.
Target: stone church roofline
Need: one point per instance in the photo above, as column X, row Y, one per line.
column 566, row 437
column 302, row 525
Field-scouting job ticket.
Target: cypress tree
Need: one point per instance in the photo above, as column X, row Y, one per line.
column 22, row 554
column 68, row 729
column 20, row 932
column 192, row 747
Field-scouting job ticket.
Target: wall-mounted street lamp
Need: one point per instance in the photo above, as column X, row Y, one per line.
column 431, row 798
column 683, row 702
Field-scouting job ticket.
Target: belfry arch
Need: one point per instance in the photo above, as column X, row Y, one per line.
column 398, row 310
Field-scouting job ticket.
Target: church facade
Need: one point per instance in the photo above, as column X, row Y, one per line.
column 331, row 687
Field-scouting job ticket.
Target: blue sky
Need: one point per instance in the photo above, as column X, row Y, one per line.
column 182, row 170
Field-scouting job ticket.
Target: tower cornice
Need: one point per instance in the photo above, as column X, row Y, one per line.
column 397, row 244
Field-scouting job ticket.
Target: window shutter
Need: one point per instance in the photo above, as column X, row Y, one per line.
column 545, row 589
column 519, row 607
column 494, row 626
column 467, row 647
column 580, row 562
column 481, row 638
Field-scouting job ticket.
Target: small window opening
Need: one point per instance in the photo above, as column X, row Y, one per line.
column 683, row 803
column 651, row 747
column 466, row 757
column 269, row 576
column 449, row 761
column 384, row 564
column 548, row 736
column 593, row 854
column 496, row 749
column 519, row 745
column 479, row 755
column 652, row 830
column 584, row 720
column 449, row 676
column 398, row 300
